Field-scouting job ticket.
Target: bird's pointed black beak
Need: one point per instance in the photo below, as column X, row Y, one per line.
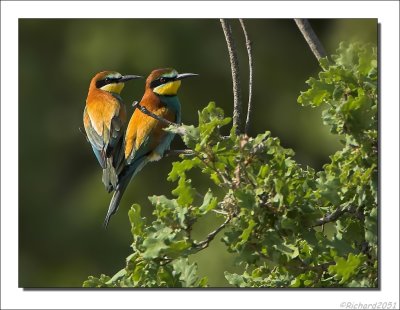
column 129, row 77
column 185, row 75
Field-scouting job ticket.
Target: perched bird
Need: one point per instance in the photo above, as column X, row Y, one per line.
column 145, row 139
column 104, row 119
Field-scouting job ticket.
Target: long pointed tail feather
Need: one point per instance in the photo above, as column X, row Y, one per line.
column 110, row 177
column 115, row 200
column 124, row 179
column 114, row 165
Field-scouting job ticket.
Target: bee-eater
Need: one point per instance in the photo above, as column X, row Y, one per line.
column 145, row 139
column 105, row 119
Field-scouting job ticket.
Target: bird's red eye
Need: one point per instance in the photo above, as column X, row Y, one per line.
column 162, row 80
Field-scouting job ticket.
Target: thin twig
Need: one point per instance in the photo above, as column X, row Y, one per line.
column 180, row 129
column 205, row 243
column 165, row 261
column 237, row 100
column 225, row 181
column 249, row 54
column 333, row 216
column 186, row 152
column 220, row 212
column 143, row 109
column 313, row 42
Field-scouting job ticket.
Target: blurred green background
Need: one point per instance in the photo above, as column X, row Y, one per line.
column 62, row 202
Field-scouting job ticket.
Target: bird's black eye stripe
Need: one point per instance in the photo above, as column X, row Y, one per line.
column 106, row 81
column 160, row 81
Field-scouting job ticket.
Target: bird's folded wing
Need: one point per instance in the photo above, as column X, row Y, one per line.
column 95, row 139
column 145, row 134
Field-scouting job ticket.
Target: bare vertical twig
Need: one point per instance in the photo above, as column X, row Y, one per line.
column 313, row 42
column 237, row 100
column 249, row 53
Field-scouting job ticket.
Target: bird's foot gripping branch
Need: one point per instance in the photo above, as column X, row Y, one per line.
column 288, row 225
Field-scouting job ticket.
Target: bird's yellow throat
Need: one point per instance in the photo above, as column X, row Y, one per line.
column 113, row 88
column 168, row 89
